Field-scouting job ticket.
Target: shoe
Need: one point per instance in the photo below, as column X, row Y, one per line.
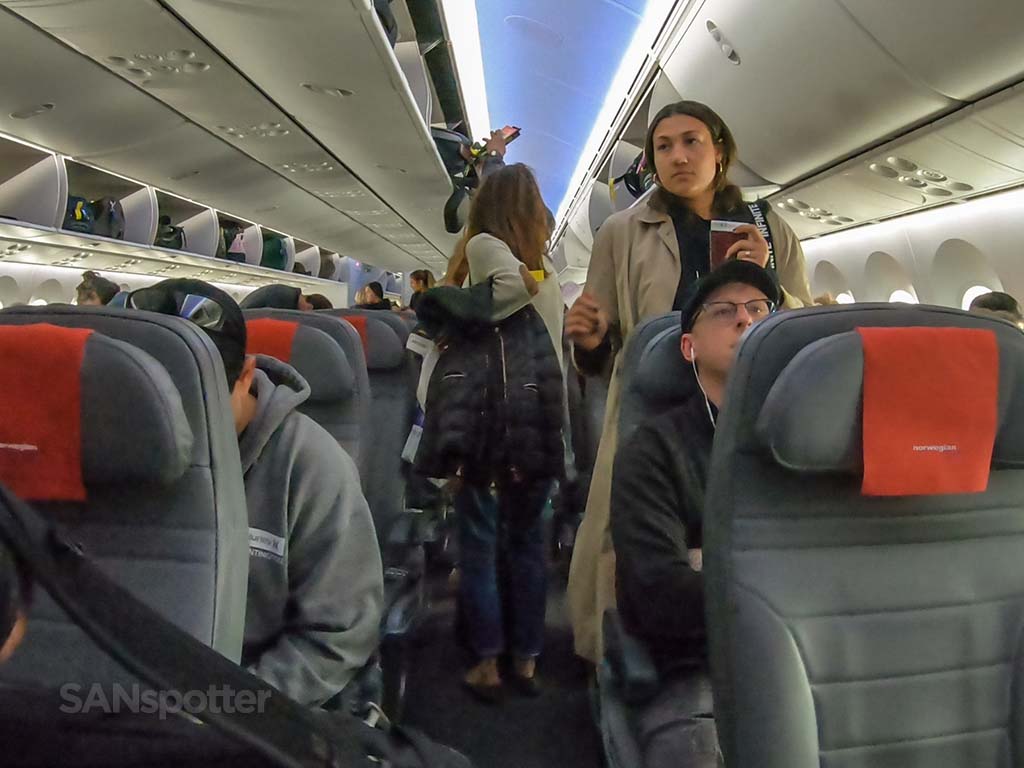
column 527, row 686
column 488, row 694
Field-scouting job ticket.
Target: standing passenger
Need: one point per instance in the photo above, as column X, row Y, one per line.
column 643, row 261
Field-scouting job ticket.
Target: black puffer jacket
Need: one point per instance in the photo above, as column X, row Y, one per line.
column 494, row 402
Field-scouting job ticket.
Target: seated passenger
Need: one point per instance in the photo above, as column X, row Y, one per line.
column 315, row 576
column 657, row 504
column 284, row 297
column 95, row 291
column 373, row 297
column 999, row 304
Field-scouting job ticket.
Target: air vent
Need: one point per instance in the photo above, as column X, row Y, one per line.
column 723, row 43
column 884, row 170
column 901, row 164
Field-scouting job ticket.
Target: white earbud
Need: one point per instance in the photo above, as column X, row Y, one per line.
column 693, row 353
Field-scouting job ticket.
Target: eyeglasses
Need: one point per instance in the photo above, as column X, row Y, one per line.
column 201, row 310
column 726, row 312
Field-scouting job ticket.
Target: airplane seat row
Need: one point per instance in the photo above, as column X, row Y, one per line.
column 151, row 487
column 854, row 618
column 872, row 551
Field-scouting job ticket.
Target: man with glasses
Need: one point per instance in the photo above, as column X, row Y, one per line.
column 657, row 506
column 316, row 588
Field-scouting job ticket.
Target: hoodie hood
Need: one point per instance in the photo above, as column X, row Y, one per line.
column 279, row 390
column 273, row 297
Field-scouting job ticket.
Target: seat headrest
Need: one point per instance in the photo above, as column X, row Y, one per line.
column 657, row 377
column 272, row 297
column 384, row 350
column 812, row 419
column 315, row 355
column 82, row 409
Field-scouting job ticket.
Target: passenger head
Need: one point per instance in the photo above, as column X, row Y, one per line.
column 999, row 304
column 373, row 293
column 95, row 291
column 719, row 309
column 314, row 301
column 509, row 207
column 421, row 280
column 220, row 318
column 691, row 150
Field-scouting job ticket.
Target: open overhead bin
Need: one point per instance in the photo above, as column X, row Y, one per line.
column 170, row 111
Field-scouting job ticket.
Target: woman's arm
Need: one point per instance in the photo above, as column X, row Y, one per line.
column 789, row 263
column 491, row 259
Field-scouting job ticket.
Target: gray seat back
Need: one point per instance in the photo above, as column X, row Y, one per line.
column 341, row 397
column 853, row 631
column 165, row 511
column 655, row 377
column 393, row 388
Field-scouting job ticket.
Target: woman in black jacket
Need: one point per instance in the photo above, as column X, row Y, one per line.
column 494, row 419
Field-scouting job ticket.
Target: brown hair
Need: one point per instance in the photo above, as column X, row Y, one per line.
column 424, row 276
column 727, row 194
column 458, row 266
column 509, row 207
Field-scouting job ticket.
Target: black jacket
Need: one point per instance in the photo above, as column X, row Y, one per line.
column 657, row 509
column 494, row 401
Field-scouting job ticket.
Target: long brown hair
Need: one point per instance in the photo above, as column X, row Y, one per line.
column 458, row 265
column 727, row 195
column 508, row 206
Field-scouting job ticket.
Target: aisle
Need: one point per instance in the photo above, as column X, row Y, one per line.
column 553, row 731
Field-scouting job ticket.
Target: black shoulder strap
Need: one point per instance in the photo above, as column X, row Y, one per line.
column 168, row 659
column 759, row 210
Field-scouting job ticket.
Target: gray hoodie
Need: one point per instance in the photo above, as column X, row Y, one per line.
column 316, row 583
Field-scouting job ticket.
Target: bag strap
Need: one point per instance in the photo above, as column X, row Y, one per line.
column 169, row 659
column 758, row 210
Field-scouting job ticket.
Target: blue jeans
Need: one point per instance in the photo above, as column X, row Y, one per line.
column 508, row 525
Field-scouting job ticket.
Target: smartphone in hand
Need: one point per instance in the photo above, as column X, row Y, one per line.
column 723, row 236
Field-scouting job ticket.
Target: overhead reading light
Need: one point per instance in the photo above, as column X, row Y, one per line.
column 328, row 90
column 464, row 33
column 25, row 114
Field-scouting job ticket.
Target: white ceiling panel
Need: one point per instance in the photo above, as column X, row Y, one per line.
column 960, row 49
column 342, row 83
column 977, row 150
column 247, row 157
column 799, row 83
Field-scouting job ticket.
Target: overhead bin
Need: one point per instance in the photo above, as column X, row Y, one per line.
column 962, row 50
column 33, row 184
column 138, row 202
column 309, row 258
column 415, row 71
column 576, row 253
column 122, row 110
column 198, row 223
column 980, row 149
column 799, row 83
column 342, row 82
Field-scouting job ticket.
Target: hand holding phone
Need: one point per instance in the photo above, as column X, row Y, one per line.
column 723, row 237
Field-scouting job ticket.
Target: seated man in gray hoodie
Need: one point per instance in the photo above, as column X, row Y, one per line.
column 316, row 584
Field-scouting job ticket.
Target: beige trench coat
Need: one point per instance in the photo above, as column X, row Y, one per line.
column 634, row 274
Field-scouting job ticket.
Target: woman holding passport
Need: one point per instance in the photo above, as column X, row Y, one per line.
column 643, row 261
